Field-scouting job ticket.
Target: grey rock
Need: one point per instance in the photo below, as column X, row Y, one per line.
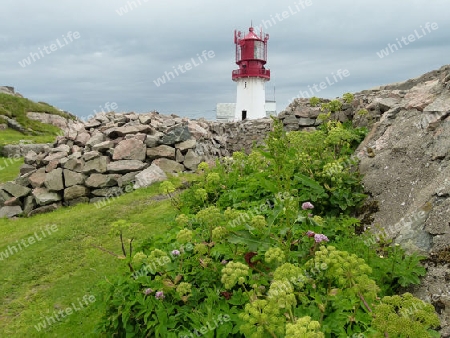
column 122, row 131
column 30, row 157
column 127, row 179
column 54, row 180
column 149, row 176
column 73, row 178
column 176, row 134
column 191, row 160
column 97, row 165
column 154, row 140
column 90, row 155
column 26, row 168
column 29, row 204
column 44, row 209
column 44, row 197
column 54, row 156
column 125, row 166
column 14, row 189
column 103, row 146
column 13, row 201
column 168, row 166
column 179, row 157
column 97, row 138
column 131, row 149
column 76, row 201
column 306, row 122
column 8, row 211
column 74, row 164
column 102, row 181
column 161, row 151
column 108, row 192
column 75, row 191
column 82, row 138
column 37, row 178
column 145, row 118
column 188, row 144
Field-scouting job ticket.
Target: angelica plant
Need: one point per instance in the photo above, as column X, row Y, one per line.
column 405, row 316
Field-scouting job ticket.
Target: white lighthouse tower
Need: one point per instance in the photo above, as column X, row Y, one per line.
column 251, row 56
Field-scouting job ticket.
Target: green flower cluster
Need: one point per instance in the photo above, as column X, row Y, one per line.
column 404, row 316
column 166, row 187
column 281, row 292
column 200, row 248
column 209, row 216
column 333, row 169
column 290, row 272
column 234, row 273
column 213, row 178
column 184, row 236
column 261, row 316
column 231, row 214
column 337, row 265
column 201, row 194
column 203, row 166
column 304, row 328
column 275, row 255
column 184, row 289
column 139, row 259
column 182, row 220
column 259, row 222
column 157, row 255
column 219, row 233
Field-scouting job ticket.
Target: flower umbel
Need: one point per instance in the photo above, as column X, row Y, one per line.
column 159, row 295
column 307, row 205
column 320, row 238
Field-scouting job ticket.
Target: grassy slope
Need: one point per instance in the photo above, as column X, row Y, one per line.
column 60, row 269
column 17, row 108
column 9, row 168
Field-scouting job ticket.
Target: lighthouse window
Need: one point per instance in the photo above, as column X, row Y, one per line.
column 259, row 50
column 245, row 84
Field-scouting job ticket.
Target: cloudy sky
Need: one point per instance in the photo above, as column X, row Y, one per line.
column 82, row 55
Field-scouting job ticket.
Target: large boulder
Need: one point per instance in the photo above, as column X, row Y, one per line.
column 188, row 144
column 54, row 180
column 149, row 176
column 97, row 165
column 14, row 189
column 176, row 134
column 161, row 151
column 124, row 166
column 130, row 149
column 73, row 178
column 75, row 191
column 10, row 211
column 43, row 197
column 168, row 166
column 37, row 178
column 153, row 140
column 191, row 160
column 102, row 181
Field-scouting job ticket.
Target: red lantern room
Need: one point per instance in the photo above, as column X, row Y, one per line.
column 251, row 55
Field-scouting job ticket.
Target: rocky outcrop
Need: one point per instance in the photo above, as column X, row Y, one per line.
column 56, row 120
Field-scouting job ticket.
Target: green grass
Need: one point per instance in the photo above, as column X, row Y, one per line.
column 9, row 168
column 60, row 269
column 10, row 136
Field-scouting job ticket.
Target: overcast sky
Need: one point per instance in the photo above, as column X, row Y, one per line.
column 88, row 53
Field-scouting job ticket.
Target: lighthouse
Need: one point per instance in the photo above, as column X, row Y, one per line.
column 251, row 56
column 251, row 103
